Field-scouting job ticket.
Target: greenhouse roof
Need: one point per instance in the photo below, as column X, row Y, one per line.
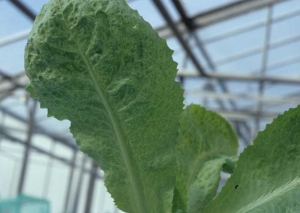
column 239, row 58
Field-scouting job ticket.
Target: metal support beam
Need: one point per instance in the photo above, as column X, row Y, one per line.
column 237, row 130
column 15, row 37
column 90, row 192
column 241, row 97
column 24, row 9
column 22, row 178
column 79, row 185
column 254, row 50
column 14, row 80
column 184, row 44
column 188, row 22
column 11, row 138
column 291, row 99
column 235, row 77
column 2, row 126
column 4, row 134
column 9, row 84
column 244, row 116
column 257, row 50
column 167, row 17
column 71, row 175
column 252, row 26
column 261, row 85
column 219, row 76
column 231, row 10
column 191, row 27
column 39, row 130
column 247, row 130
column 220, row 14
column 49, row 168
column 13, row 178
column 220, row 36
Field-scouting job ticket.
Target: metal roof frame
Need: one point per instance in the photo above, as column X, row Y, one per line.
column 186, row 26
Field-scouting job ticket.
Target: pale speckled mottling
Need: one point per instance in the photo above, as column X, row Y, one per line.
column 100, row 65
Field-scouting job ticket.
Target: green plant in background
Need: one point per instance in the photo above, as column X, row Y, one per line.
column 98, row 64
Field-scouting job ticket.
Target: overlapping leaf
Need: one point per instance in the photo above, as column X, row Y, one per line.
column 100, row 65
column 267, row 176
column 205, row 141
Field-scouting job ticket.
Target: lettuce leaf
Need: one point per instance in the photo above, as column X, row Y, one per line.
column 98, row 64
column 267, row 174
column 205, row 142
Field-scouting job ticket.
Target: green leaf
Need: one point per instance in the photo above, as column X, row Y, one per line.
column 204, row 188
column 266, row 178
column 100, row 65
column 205, row 141
column 180, row 195
column 230, row 164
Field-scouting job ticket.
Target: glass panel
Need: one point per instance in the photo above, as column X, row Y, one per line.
column 285, row 6
column 11, row 57
column 63, row 151
column 58, row 186
column 236, row 44
column 12, row 20
column 285, row 29
column 248, row 65
column 195, row 7
column 291, row 70
column 16, row 128
column 35, row 184
column 236, row 23
column 83, row 194
column 10, row 165
column 284, row 52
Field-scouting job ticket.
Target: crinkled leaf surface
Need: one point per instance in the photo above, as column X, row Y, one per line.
column 100, row 65
column 267, row 173
column 205, row 141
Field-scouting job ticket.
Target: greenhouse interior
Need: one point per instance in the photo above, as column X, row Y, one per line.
column 239, row 58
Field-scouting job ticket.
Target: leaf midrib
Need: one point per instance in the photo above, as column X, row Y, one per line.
column 132, row 172
column 266, row 198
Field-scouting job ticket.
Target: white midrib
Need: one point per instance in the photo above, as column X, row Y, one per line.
column 132, row 172
column 268, row 197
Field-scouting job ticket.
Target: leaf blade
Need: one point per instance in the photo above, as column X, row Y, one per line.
column 82, row 68
column 205, row 140
column 204, row 188
column 267, row 173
